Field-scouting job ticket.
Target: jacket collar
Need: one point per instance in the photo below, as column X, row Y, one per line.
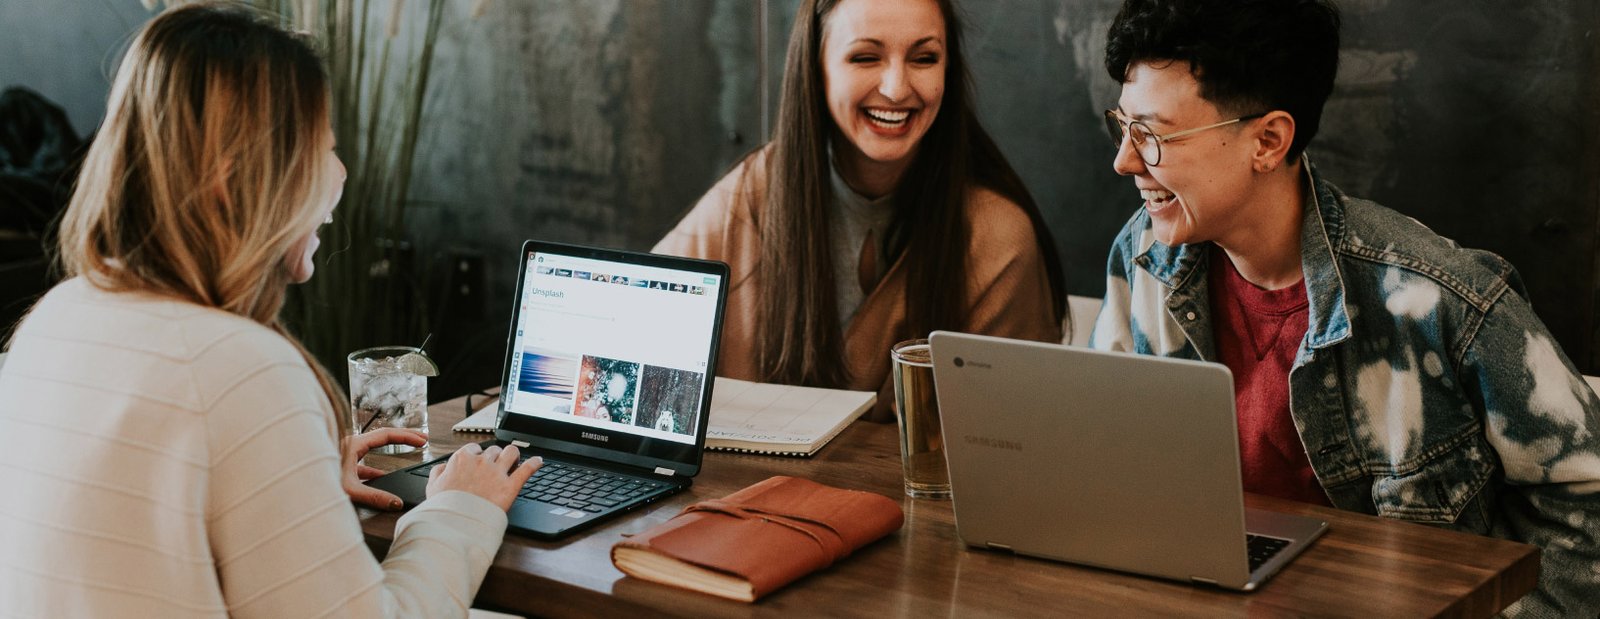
column 1321, row 231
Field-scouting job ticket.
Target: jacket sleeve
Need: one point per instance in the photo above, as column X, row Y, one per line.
column 284, row 536
column 1113, row 328
column 1543, row 421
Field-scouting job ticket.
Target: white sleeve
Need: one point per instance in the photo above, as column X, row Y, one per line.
column 285, row 538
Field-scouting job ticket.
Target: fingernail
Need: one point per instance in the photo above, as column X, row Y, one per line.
column 395, row 504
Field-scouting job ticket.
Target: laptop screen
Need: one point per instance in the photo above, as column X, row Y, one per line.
column 610, row 352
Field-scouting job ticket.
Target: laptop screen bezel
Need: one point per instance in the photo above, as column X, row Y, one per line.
column 618, row 447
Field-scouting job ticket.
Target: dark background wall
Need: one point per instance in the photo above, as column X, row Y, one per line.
column 602, row 121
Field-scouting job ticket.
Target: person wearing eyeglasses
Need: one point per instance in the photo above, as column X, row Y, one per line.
column 1378, row 367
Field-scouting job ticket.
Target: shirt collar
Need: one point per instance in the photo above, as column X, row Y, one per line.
column 848, row 198
column 1321, row 231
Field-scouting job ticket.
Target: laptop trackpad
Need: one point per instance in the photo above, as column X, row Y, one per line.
column 544, row 517
column 1282, row 526
column 409, row 487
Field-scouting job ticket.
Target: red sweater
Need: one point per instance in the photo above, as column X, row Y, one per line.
column 1257, row 334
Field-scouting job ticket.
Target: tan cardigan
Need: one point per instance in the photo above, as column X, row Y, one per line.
column 1006, row 282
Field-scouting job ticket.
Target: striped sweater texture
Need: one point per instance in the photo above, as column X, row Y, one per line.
column 162, row 459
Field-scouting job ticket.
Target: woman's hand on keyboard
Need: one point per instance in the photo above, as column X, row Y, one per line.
column 491, row 473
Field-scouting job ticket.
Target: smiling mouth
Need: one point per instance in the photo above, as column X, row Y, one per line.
column 1157, row 199
column 887, row 119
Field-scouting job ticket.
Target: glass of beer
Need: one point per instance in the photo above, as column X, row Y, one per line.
column 917, row 411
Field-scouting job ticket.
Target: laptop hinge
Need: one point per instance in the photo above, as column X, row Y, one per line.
column 521, row 444
column 998, row 546
column 661, row 470
column 1207, row 581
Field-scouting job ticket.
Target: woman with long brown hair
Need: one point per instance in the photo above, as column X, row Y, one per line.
column 881, row 210
column 170, row 449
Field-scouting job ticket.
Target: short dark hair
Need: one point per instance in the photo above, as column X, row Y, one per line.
column 1248, row 55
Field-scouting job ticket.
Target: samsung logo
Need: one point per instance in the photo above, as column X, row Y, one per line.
column 995, row 443
column 595, row 437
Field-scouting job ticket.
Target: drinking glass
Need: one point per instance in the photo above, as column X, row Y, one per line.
column 917, row 412
column 383, row 394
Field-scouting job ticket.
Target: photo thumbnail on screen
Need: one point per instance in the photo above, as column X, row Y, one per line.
column 669, row 400
column 550, row 374
column 607, row 389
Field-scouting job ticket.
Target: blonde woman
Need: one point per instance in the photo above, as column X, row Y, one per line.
column 169, row 449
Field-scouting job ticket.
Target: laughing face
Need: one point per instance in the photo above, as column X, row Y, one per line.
column 298, row 262
column 1198, row 190
column 884, row 64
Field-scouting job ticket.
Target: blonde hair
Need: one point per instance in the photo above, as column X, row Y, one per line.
column 208, row 169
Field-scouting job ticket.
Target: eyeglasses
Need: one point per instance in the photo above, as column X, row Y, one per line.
column 1146, row 142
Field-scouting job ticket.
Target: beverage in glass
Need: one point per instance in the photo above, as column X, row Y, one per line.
column 386, row 393
column 917, row 411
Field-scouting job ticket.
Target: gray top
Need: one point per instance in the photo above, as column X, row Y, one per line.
column 851, row 218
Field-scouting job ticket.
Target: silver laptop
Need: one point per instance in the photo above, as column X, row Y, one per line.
column 1113, row 460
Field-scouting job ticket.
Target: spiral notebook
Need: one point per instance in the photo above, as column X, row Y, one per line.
column 482, row 420
column 753, row 417
column 780, row 419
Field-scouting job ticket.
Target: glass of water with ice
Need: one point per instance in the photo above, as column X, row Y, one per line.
column 389, row 389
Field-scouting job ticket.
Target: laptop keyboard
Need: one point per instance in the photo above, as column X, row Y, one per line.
column 576, row 487
column 1263, row 548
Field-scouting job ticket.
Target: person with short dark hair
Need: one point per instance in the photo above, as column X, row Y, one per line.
column 1378, row 367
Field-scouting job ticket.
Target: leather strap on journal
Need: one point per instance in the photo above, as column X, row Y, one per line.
column 771, row 533
column 826, row 537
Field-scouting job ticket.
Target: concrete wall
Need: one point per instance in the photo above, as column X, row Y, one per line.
column 598, row 122
column 602, row 121
column 67, row 51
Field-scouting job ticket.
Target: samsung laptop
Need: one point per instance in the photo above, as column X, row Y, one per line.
column 1113, row 460
column 607, row 376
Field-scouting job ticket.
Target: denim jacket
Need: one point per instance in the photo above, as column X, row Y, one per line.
column 1425, row 388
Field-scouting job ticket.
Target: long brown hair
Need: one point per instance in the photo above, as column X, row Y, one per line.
column 801, row 339
column 208, row 169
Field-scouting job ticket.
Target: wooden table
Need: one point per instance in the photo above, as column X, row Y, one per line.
column 1363, row 567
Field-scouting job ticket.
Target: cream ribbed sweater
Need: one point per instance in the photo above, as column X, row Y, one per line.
column 160, row 459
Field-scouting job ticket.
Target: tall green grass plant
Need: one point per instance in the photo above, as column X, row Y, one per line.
column 366, row 291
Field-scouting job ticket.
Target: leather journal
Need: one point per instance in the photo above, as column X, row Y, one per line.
column 757, row 540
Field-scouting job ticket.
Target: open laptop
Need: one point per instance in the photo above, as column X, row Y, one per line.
column 607, row 377
column 1113, row 460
